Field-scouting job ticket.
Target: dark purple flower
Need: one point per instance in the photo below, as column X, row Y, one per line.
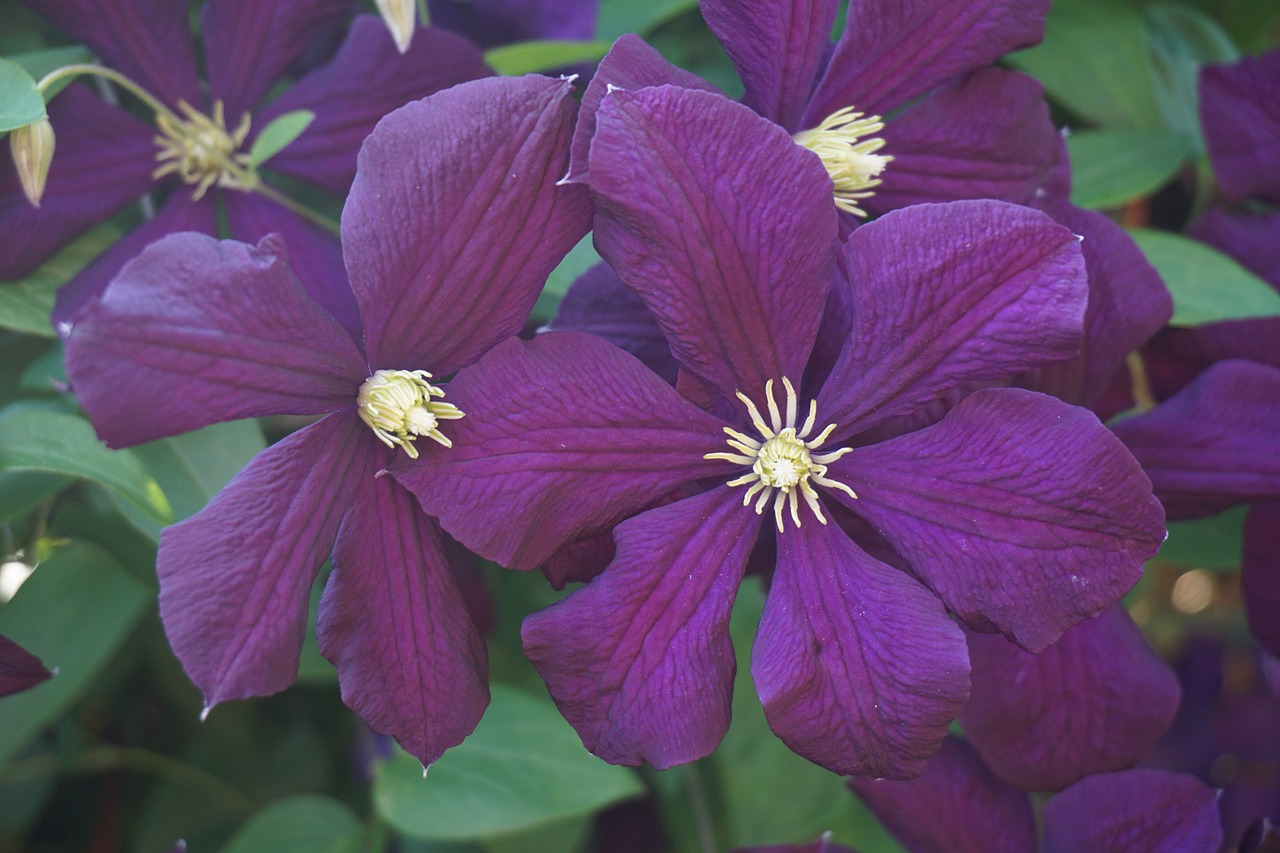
column 19, row 669
column 195, row 331
column 106, row 158
column 1017, row 512
column 494, row 22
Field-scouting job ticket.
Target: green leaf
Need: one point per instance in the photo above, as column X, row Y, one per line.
column 22, row 491
column 25, row 305
column 1180, row 40
column 618, row 17
column 1094, row 62
column 73, row 612
column 38, row 63
column 1111, row 167
column 529, row 57
column 523, row 767
column 306, row 823
column 20, row 100
column 1206, row 285
column 34, row 439
column 278, row 134
column 193, row 467
column 1206, row 543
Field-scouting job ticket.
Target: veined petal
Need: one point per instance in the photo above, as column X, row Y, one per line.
column 235, row 577
column 947, row 295
column 1096, row 700
column 1213, row 444
column 367, row 79
column 410, row 661
column 956, row 805
column 894, row 50
column 722, row 224
column 639, row 661
column 1241, row 121
column 858, row 666
column 19, row 669
column 441, row 182
column 564, row 436
column 1260, row 574
column 1134, row 810
column 777, row 47
column 196, row 331
column 1022, row 513
column 494, row 22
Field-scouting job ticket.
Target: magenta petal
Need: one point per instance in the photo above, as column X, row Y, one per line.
column 410, row 661
column 858, row 666
column 986, row 135
column 778, row 46
column 564, row 436
column 1134, row 810
column 639, row 661
column 104, row 161
column 442, row 182
column 957, row 805
column 893, row 50
column 19, row 669
column 249, row 44
column 235, row 577
column 1214, row 443
column 1096, row 700
column 722, row 224
column 1241, row 119
column 196, row 331
column 947, row 295
column 1022, row 513
column 367, row 79
column 1260, row 574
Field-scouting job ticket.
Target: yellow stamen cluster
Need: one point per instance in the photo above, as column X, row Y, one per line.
column 202, row 152
column 783, row 465
column 851, row 160
column 398, row 406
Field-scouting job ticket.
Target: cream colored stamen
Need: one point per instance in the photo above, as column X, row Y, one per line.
column 201, row 151
column 398, row 406
column 783, row 465
column 850, row 158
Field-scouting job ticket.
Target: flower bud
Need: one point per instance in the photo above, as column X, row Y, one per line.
column 400, row 16
column 32, row 148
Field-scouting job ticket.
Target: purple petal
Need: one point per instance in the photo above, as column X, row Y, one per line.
column 857, row 665
column 956, row 805
column 236, row 576
column 778, row 48
column 367, row 79
column 1215, row 443
column 947, row 295
column 249, row 45
column 179, row 213
column 19, row 669
column 581, row 561
column 1247, row 236
column 494, row 22
column 563, row 437
column 722, row 224
column 1025, row 515
column 1096, row 700
column 196, row 331
column 639, row 661
column 630, row 64
column 1241, row 120
column 441, row 182
column 410, row 661
column 104, row 161
column 1133, row 810
column 599, row 304
column 986, row 135
column 893, row 50
column 148, row 41
column 1260, row 574
column 315, row 255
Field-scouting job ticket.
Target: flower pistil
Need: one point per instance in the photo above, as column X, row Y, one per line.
column 841, row 142
column 202, row 152
column 399, row 406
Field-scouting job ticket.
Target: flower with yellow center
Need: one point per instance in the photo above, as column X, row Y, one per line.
column 202, row 152
column 398, row 406
column 783, row 464
column 850, row 158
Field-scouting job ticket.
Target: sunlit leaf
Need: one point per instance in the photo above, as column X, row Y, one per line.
column 279, row 133
column 307, row 823
column 1206, row 285
column 20, row 101
column 1111, row 167
column 529, row 57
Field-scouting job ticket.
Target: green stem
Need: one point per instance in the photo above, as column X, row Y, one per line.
column 114, row 76
column 302, row 210
column 701, row 808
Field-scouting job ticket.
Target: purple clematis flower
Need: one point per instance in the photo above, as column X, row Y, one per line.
column 494, row 22
column 19, row 669
column 106, row 158
column 1017, row 512
column 195, row 331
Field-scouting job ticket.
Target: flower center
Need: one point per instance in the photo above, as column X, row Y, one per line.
column 201, row 151
column 398, row 406
column 851, row 158
column 783, row 465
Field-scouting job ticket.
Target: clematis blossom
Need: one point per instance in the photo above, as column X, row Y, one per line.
column 1016, row 512
column 196, row 331
column 19, row 669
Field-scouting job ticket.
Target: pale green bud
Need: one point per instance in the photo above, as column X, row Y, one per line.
column 32, row 148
